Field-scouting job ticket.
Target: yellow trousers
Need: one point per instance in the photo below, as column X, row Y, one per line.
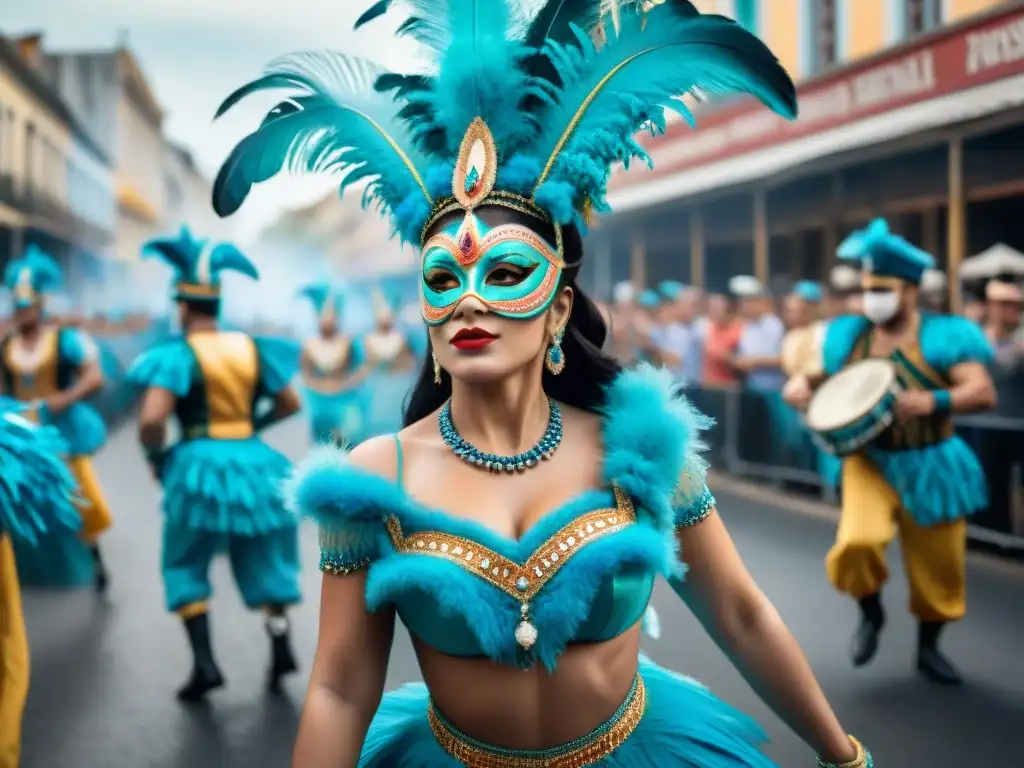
column 14, row 665
column 934, row 556
column 96, row 517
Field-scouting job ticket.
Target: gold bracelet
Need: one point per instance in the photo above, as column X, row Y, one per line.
column 862, row 760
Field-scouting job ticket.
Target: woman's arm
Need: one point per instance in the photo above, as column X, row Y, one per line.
column 354, row 646
column 347, row 680
column 740, row 619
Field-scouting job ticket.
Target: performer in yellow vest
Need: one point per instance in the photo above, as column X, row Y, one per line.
column 55, row 369
column 36, row 492
column 918, row 480
column 221, row 482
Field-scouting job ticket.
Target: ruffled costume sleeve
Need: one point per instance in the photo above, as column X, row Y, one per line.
column 349, row 506
column 840, row 338
column 36, row 489
column 78, row 347
column 168, row 365
column 948, row 341
column 279, row 362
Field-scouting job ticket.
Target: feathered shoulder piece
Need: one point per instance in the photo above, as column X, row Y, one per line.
column 198, row 264
column 32, row 276
column 524, row 111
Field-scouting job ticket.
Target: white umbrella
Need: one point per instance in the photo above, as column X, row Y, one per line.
column 998, row 260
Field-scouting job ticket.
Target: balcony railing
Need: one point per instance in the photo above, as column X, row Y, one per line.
column 47, row 213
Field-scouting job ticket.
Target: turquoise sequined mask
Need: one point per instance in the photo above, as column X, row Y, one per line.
column 470, row 252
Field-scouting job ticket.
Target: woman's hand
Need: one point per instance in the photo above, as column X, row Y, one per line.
column 797, row 392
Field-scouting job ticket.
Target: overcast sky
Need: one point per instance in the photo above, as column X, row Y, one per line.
column 195, row 52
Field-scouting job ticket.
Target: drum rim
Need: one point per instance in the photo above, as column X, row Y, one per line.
column 876, row 361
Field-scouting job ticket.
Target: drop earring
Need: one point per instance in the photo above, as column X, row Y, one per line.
column 554, row 360
column 437, row 368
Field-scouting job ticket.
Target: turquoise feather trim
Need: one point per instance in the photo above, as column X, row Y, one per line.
column 840, row 336
column 937, row 484
column 35, row 269
column 36, row 489
column 562, row 111
column 684, row 725
column 948, row 340
column 81, row 426
column 167, row 365
column 226, row 486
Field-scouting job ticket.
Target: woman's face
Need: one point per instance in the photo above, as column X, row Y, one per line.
column 491, row 296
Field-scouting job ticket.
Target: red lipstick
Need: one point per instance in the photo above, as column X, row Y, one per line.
column 469, row 339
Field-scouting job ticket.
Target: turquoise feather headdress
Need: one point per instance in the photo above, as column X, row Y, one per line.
column 32, row 276
column 523, row 112
column 325, row 298
column 198, row 264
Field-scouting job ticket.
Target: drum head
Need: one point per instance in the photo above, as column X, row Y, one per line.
column 850, row 394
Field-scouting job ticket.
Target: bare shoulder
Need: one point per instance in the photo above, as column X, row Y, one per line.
column 378, row 456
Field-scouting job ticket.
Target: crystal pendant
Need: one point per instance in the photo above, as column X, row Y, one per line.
column 526, row 634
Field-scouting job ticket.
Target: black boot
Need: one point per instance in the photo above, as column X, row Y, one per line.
column 206, row 675
column 282, row 660
column 101, row 580
column 930, row 661
column 865, row 639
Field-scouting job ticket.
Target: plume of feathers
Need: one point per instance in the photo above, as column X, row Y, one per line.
column 563, row 91
column 45, row 272
column 318, row 295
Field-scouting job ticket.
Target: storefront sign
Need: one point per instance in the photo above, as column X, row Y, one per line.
column 966, row 57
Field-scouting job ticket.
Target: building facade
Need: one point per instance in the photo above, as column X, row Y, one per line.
column 908, row 109
column 56, row 181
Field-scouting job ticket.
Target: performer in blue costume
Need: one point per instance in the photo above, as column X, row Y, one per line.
column 566, row 484
column 221, row 482
column 56, row 369
column 36, row 502
column 332, row 364
column 918, row 479
column 393, row 369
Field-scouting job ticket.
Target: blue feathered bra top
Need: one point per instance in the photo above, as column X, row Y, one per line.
column 483, row 586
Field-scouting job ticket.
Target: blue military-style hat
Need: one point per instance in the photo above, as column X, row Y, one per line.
column 808, row 290
column 883, row 254
column 670, row 290
column 649, row 299
column 198, row 264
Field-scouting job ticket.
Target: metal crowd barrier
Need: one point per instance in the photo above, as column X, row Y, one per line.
column 748, row 441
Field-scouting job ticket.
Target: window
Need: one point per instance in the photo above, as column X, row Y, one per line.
column 30, row 155
column 824, row 38
column 921, row 16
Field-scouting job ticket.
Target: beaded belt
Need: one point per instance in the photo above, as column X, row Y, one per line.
column 587, row 750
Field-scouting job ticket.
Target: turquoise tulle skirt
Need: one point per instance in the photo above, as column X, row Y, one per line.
column 341, row 413
column 226, row 486
column 683, row 726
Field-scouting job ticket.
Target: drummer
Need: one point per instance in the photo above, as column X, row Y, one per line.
column 917, row 479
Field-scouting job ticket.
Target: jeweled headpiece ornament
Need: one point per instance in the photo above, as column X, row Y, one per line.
column 198, row 264
column 32, row 276
column 526, row 115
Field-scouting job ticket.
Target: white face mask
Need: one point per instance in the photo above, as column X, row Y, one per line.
column 881, row 306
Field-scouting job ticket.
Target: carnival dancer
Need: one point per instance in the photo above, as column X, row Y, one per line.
column 221, row 482
column 36, row 501
column 332, row 363
column 56, row 369
column 918, row 479
column 566, row 483
column 392, row 372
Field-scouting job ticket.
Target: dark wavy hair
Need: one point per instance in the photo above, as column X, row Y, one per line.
column 588, row 370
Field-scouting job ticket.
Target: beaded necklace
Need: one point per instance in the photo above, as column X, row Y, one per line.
column 544, row 448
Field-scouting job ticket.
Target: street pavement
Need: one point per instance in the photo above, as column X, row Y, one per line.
column 105, row 670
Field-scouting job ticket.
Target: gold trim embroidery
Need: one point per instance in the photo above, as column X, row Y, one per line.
column 521, row 581
column 589, row 750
